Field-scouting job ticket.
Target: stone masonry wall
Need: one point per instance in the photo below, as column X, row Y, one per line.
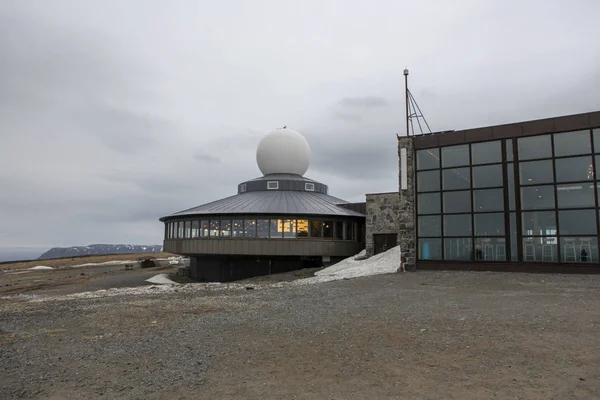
column 407, row 238
column 382, row 216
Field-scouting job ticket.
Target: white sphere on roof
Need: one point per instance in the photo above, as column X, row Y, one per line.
column 283, row 151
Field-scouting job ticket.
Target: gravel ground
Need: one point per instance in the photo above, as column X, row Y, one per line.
column 424, row 335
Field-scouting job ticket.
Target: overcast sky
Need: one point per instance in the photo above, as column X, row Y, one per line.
column 115, row 113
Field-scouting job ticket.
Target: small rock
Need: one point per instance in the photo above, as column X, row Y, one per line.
column 582, row 379
column 249, row 288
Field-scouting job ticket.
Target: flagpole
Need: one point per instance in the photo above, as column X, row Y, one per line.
column 406, row 97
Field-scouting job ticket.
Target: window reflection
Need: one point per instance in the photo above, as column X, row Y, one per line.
column 575, row 195
column 456, row 178
column 316, row 228
column 428, row 203
column 204, row 228
column 489, row 224
column 188, row 229
column 457, row 202
column 429, row 225
column 457, row 225
column 455, row 156
column 302, row 228
column 540, row 249
column 577, row 222
column 350, row 230
column 276, row 228
column 225, row 228
column 537, row 198
column 428, row 159
column 536, row 172
column 534, row 147
column 490, row 249
column 262, row 228
column 574, row 169
column 328, row 229
column 486, row 152
column 538, row 223
column 214, row 228
column 572, row 143
column 430, row 249
column 339, row 230
column 195, row 229
column 488, row 200
column 460, row 249
column 289, row 228
column 237, row 228
column 487, row 176
column 250, row 228
column 180, row 230
column 579, row 249
column 428, row 181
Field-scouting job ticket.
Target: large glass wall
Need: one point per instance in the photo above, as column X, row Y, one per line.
column 524, row 199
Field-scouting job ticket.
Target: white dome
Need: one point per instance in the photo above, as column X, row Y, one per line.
column 283, row 151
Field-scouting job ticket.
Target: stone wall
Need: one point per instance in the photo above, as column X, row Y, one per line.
column 407, row 238
column 382, row 216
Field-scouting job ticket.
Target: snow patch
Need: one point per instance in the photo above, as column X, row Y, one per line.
column 40, row 267
column 162, row 279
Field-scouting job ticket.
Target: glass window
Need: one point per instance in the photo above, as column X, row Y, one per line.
column 572, row 143
column 250, row 228
column 302, row 228
column 457, row 202
column 457, row 225
column 428, row 181
column 262, row 228
column 169, row 230
column 195, row 229
column 349, row 230
column 237, row 228
column 490, row 249
column 225, row 228
column 487, row 176
column 574, row 169
column 540, row 249
column 328, row 229
column 486, row 152
column 455, row 156
column 316, row 229
column 534, row 147
column 488, row 200
column 430, row 226
column 428, row 159
column 430, row 249
column 309, row 187
column 514, row 255
column 276, row 228
column 538, row 223
column 339, row 230
column 214, row 228
column 596, row 134
column 537, row 198
column 460, row 249
column 456, row 178
column 428, row 203
column 536, row 172
column 577, row 222
column 188, row 229
column 597, row 174
column 510, row 170
column 579, row 249
column 273, row 185
column 204, row 228
column 181, row 230
column 575, row 195
column 489, row 224
column 289, row 228
column 509, row 150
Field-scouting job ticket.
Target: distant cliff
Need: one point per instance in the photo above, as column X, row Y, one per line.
column 98, row 249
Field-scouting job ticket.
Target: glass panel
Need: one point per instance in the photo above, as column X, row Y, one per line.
column 428, row 181
column 225, row 228
column 170, row 230
column 579, row 249
column 339, row 230
column 457, row 225
column 302, row 228
column 574, row 169
column 188, row 229
column 262, row 228
column 577, row 222
column 575, row 195
column 536, row 172
column 289, row 228
column 204, row 228
column 349, row 230
column 430, row 249
column 195, row 229
column 454, row 156
column 534, row 147
column 596, row 134
column 456, row 178
column 540, row 249
column 538, row 223
column 237, row 228
column 488, row 200
column 458, row 249
column 428, row 203
column 430, row 226
column 456, row 202
column 490, row 249
column 510, row 170
column 537, row 198
column 328, row 229
column 489, row 224
column 509, row 149
column 276, row 228
column 514, row 255
column 572, row 143
column 180, row 232
column 214, row 228
column 428, row 159
column 486, row 152
column 250, row 228
column 316, row 229
column 597, row 174
column 487, row 176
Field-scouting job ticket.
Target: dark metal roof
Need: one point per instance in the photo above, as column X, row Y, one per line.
column 274, row 202
column 291, row 177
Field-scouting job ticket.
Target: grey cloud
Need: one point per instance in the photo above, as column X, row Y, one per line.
column 347, row 117
column 366, row 101
column 204, row 157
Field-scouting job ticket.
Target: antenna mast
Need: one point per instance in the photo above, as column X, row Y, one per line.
column 413, row 111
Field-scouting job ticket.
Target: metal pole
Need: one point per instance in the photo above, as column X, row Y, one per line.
column 406, row 97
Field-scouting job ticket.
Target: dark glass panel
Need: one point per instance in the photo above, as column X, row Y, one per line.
column 188, row 229
column 488, row 200
column 489, row 224
column 430, row 226
column 289, row 228
column 572, row 143
column 316, row 229
column 328, row 229
column 579, row 249
column 430, row 249
column 455, row 156
column 215, row 225
column 428, row 181
column 204, row 228
column 537, row 198
column 510, row 171
column 540, row 249
column 225, row 228
column 339, row 230
column 237, row 228
column 262, row 228
column 302, row 228
column 577, row 222
column 276, row 228
column 457, row 225
column 457, row 202
column 428, row 159
column 349, row 230
column 538, row 223
column 195, row 229
column 456, row 178
column 487, row 176
column 596, row 135
column 576, row 195
column 509, row 150
column 597, row 161
column 486, row 152
column 460, row 249
column 574, row 169
column 428, row 203
column 536, row 172
column 490, row 249
column 514, row 256
column 250, row 228
column 180, row 230
column 534, row 147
